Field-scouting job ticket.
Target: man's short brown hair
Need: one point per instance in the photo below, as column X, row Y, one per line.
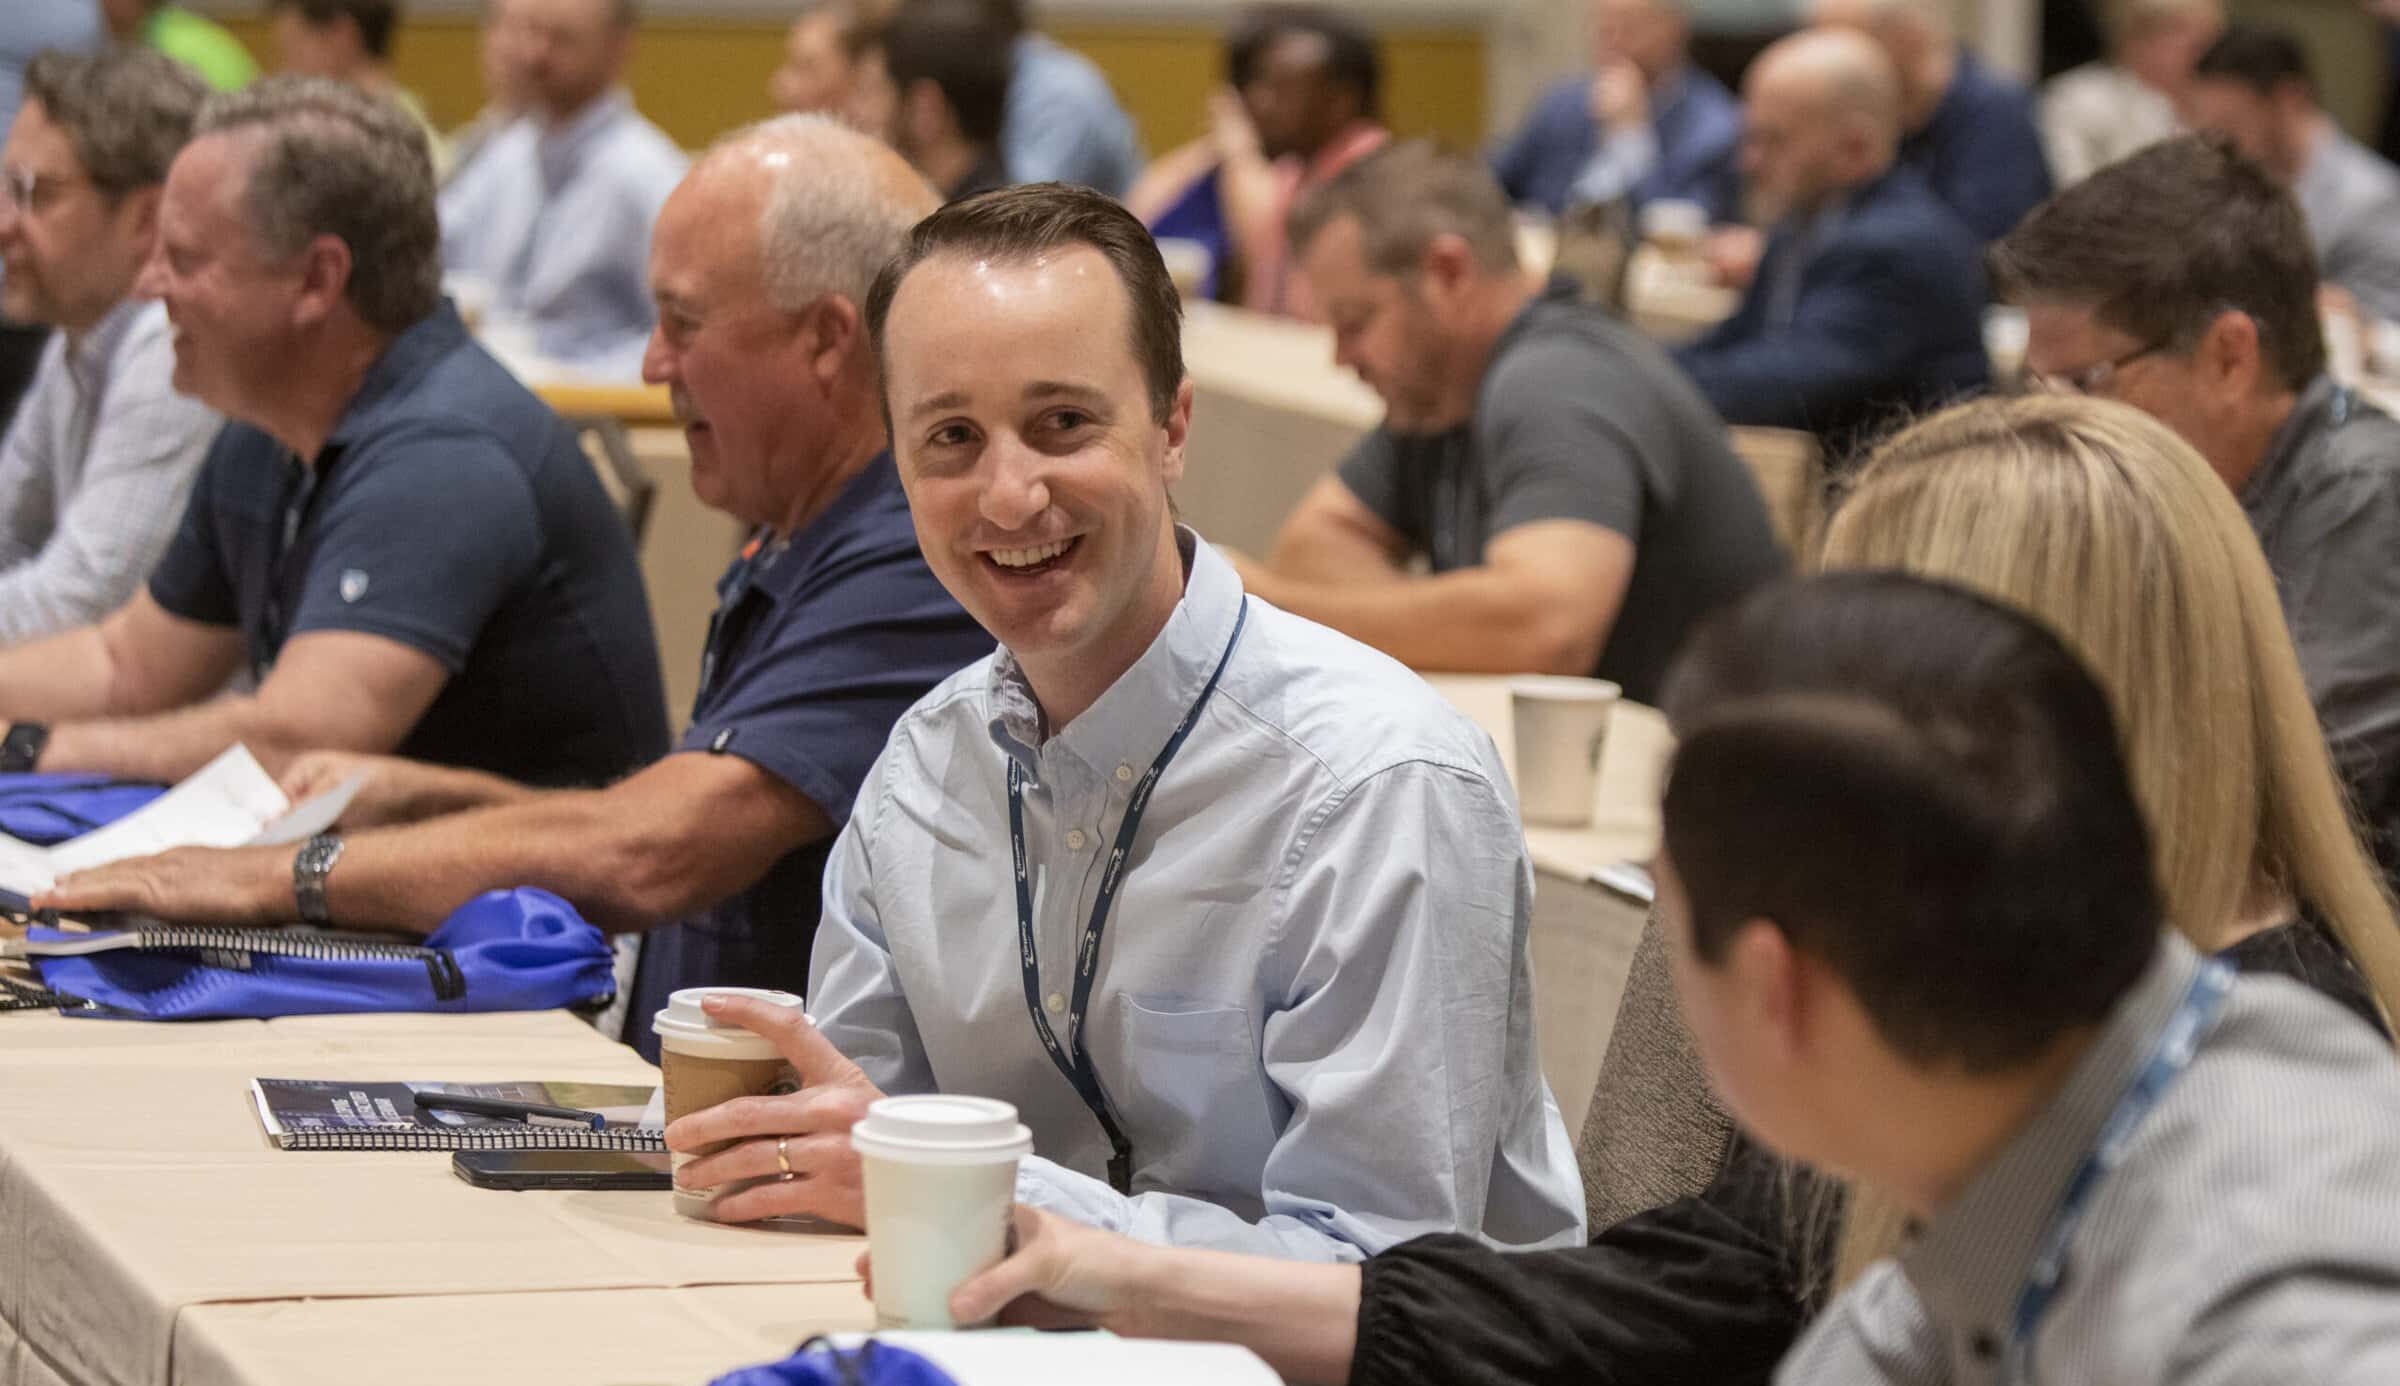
column 128, row 111
column 2160, row 244
column 1021, row 223
column 1404, row 196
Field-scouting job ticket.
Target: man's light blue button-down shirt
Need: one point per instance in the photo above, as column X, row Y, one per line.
column 1312, row 1015
column 1063, row 123
column 557, row 220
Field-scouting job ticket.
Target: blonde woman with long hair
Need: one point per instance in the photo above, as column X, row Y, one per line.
column 2106, row 526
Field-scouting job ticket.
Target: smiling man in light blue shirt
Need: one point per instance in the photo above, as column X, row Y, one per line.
column 1260, row 982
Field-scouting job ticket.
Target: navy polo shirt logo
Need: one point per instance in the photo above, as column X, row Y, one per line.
column 354, row 584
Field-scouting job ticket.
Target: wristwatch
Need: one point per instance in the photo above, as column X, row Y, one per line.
column 309, row 870
column 21, row 749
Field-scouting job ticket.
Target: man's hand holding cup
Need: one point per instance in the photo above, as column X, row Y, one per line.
column 763, row 1148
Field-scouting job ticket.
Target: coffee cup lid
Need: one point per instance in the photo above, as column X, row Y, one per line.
column 941, row 1129
column 684, row 1020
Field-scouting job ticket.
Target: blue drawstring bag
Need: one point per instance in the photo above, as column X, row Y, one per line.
column 819, row 1363
column 506, row 950
column 48, row 809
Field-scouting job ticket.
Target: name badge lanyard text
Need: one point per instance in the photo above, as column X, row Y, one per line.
column 2177, row 1044
column 1073, row 1060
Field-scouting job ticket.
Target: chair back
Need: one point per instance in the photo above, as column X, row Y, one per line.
column 1789, row 467
column 1654, row 1132
column 604, row 441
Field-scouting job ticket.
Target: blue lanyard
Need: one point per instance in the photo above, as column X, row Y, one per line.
column 1076, row 1066
column 2168, row 1059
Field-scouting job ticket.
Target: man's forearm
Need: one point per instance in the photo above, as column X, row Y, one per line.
column 167, row 747
column 1301, row 1317
column 1472, row 620
column 51, row 680
column 576, row 844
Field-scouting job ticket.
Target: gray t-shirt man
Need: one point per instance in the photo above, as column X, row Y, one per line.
column 1581, row 418
column 2326, row 506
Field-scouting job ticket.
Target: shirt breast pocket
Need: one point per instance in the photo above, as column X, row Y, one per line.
column 1192, row 1084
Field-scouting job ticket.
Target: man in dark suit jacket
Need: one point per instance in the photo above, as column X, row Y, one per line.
column 1868, row 304
column 1968, row 130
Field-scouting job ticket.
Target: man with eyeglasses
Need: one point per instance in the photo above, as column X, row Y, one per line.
column 95, row 466
column 2217, row 335
column 34, row 27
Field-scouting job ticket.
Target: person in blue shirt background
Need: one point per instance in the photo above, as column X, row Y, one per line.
column 1643, row 125
column 1063, row 123
column 1968, row 130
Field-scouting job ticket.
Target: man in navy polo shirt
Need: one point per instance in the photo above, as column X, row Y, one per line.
column 397, row 544
column 830, row 624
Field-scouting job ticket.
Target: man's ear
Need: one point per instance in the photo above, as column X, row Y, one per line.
column 325, row 267
column 1179, row 431
column 137, row 214
column 1773, row 983
column 1448, row 266
column 832, row 327
column 2230, row 353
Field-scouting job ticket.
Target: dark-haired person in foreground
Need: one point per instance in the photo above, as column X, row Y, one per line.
column 1307, row 1026
column 399, row 545
column 2218, row 336
column 2044, row 502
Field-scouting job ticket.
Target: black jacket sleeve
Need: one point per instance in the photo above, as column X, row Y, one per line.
column 1702, row 1290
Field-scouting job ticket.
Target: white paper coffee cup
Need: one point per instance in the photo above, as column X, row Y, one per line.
column 941, row 1177
column 1674, row 224
column 1561, row 725
column 702, row 1063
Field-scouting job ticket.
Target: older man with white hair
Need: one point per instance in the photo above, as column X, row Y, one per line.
column 1967, row 129
column 830, row 623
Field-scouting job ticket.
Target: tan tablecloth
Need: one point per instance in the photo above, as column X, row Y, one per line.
column 135, row 1184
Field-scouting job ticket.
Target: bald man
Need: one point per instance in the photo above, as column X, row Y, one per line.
column 1968, row 130
column 1868, row 302
column 1643, row 125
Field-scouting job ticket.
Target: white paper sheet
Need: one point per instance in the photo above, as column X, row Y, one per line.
column 229, row 802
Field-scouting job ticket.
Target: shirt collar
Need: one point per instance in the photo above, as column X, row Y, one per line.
column 1971, row 1263
column 1130, row 723
column 90, row 353
column 425, row 341
column 562, row 148
column 2299, row 429
column 776, row 574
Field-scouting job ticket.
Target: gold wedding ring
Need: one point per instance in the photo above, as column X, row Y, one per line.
column 783, row 1156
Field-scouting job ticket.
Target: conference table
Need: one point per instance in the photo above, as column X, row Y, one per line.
column 153, row 1235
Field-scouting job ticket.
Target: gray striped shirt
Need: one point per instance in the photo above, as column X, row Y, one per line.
column 94, row 473
column 2251, row 1235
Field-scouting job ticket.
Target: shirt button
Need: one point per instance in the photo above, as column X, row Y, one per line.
column 1056, row 1002
column 1074, row 839
column 1124, row 773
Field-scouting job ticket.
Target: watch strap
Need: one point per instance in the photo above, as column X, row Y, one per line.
column 309, row 871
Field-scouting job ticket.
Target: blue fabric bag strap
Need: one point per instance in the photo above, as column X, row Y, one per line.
column 49, row 809
column 508, row 950
column 818, row 1362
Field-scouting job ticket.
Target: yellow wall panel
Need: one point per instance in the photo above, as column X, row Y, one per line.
column 698, row 78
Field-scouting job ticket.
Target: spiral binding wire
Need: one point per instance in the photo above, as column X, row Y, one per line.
column 233, row 949
column 501, row 1136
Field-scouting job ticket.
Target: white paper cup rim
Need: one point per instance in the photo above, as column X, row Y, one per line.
column 1564, row 688
column 693, row 1032
column 941, row 1129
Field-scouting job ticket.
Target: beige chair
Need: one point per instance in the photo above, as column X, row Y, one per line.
column 1653, row 1133
column 1790, row 469
column 629, row 487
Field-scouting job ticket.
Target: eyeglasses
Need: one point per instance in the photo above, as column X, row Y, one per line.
column 27, row 186
column 2093, row 379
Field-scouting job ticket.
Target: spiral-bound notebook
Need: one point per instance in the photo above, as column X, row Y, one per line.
column 331, row 1114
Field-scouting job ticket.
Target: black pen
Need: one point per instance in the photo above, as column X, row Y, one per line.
column 531, row 1113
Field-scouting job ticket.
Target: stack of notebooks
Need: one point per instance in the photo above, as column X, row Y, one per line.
column 332, row 1114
